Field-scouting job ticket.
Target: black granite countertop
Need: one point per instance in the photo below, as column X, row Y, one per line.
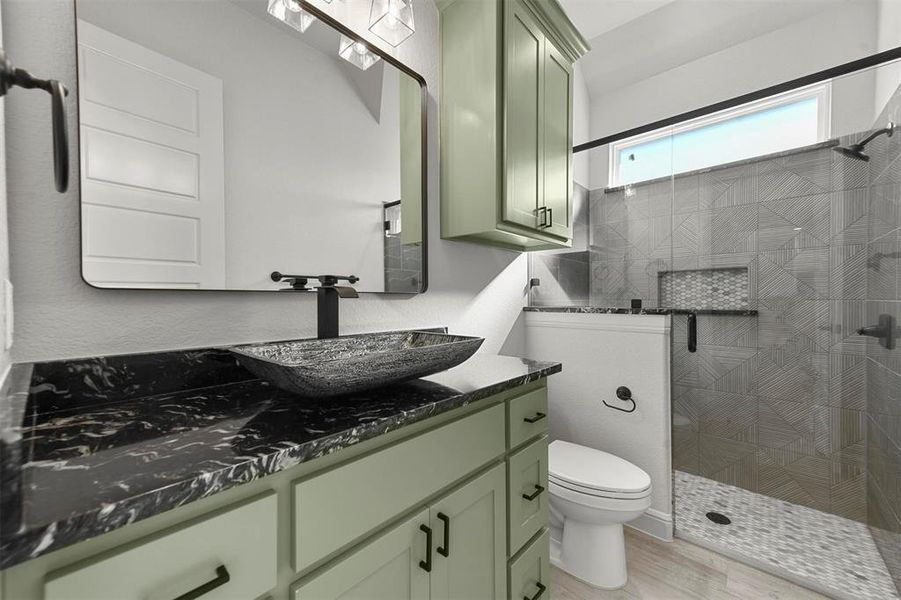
column 614, row 310
column 88, row 446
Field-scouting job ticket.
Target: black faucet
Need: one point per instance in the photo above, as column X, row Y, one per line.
column 327, row 293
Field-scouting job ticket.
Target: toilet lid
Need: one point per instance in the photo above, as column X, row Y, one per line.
column 594, row 469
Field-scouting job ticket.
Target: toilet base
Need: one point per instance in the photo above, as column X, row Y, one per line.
column 593, row 554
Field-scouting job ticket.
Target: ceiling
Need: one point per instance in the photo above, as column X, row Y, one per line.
column 632, row 40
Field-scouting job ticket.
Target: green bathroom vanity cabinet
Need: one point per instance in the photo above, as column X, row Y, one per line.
column 506, row 122
column 451, row 506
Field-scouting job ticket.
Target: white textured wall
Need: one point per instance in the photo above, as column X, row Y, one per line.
column 888, row 36
column 600, row 353
column 833, row 37
column 473, row 289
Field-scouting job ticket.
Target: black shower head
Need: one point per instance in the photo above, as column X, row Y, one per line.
column 856, row 150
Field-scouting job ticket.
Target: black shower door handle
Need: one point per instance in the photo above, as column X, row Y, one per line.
column 692, row 332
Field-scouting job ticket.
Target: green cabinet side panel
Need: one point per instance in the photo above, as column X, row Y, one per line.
column 523, row 83
column 476, row 516
column 337, row 507
column 243, row 540
column 531, row 568
column 410, row 160
column 470, row 121
column 557, row 135
column 526, row 470
column 386, row 568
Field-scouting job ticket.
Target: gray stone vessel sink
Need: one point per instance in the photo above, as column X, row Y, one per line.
column 330, row 367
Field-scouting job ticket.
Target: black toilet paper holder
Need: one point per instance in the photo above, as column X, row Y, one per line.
column 624, row 394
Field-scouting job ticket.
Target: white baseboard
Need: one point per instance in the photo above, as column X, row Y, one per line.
column 655, row 524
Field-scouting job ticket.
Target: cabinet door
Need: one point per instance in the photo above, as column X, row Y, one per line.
column 557, row 147
column 524, row 55
column 470, row 524
column 386, row 568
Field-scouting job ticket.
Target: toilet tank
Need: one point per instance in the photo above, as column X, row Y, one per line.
column 601, row 352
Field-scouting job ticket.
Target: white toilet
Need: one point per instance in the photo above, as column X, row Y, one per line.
column 592, row 494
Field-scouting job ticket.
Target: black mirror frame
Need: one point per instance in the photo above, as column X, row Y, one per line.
column 343, row 29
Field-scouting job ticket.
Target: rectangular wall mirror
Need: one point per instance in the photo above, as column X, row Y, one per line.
column 219, row 145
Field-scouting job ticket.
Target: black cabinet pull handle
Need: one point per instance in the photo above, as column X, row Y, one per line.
column 426, row 565
column 549, row 218
column 537, row 595
column 538, row 416
column 445, row 550
column 222, row 577
column 535, row 494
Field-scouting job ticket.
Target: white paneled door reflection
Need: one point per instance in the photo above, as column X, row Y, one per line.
column 152, row 167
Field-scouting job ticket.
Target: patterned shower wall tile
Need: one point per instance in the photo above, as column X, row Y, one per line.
column 885, row 159
column 850, row 223
column 686, row 455
column 848, row 272
column 884, row 269
column 848, row 174
column 840, row 435
column 847, row 317
column 884, row 467
column 847, row 381
column 686, row 194
column 636, row 202
column 727, row 369
column 795, row 223
column 728, row 461
column 722, row 330
column 730, row 186
column 707, row 288
column 660, row 197
column 722, row 415
column 884, row 211
column 801, row 324
column 792, row 375
column 660, row 237
column 883, row 390
column 623, row 279
column 787, row 425
column 796, row 175
column 886, row 531
column 848, row 492
column 685, row 239
column 794, row 477
column 798, row 274
column 727, row 230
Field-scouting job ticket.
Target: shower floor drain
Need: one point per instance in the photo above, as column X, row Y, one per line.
column 718, row 518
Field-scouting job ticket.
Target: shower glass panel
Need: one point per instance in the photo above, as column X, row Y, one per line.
column 785, row 419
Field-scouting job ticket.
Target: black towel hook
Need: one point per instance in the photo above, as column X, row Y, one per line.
column 10, row 77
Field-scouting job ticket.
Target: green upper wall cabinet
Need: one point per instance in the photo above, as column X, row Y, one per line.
column 506, row 122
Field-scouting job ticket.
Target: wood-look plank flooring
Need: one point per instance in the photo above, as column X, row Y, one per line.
column 678, row 570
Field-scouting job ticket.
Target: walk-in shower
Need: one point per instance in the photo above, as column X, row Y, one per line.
column 777, row 262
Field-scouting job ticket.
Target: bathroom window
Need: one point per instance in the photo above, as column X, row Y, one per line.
column 782, row 122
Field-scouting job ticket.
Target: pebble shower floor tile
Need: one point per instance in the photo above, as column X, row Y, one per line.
column 824, row 552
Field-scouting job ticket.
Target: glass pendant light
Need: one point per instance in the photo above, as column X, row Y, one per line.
column 291, row 13
column 357, row 53
column 392, row 20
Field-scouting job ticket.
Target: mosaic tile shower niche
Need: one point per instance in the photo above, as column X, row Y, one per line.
column 712, row 289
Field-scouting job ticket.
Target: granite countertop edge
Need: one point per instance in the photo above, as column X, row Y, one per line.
column 23, row 545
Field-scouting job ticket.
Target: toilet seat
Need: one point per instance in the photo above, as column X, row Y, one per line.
column 595, row 473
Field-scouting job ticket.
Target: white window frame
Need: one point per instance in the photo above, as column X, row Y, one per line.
column 821, row 91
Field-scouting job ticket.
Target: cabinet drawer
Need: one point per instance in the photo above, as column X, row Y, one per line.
column 530, row 573
column 527, row 416
column 238, row 545
column 335, row 508
column 527, row 494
